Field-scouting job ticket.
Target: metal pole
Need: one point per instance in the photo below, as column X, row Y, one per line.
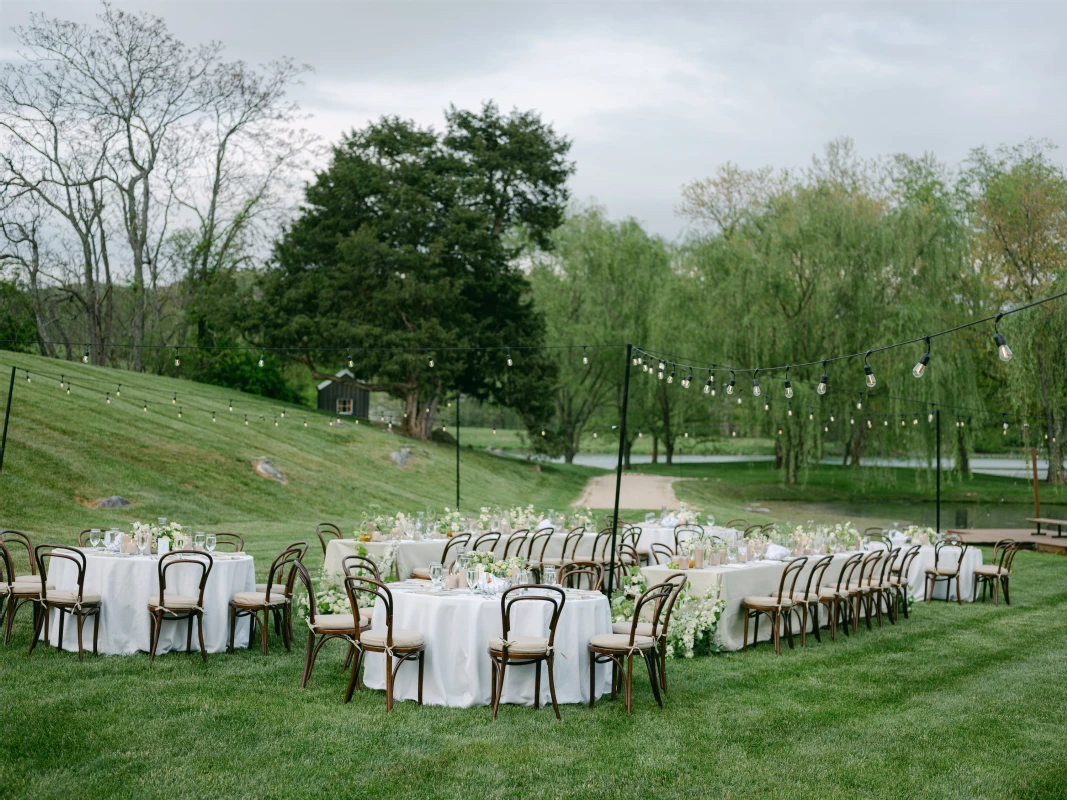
column 7, row 416
column 1037, row 492
column 618, row 469
column 939, row 470
column 457, row 452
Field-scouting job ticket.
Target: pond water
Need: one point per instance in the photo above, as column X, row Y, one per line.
column 953, row 515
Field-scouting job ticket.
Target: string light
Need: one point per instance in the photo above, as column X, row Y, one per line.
column 687, row 433
column 930, row 416
column 510, row 361
column 179, row 412
column 916, row 420
column 351, row 363
column 68, row 388
column 174, row 401
column 1002, row 344
column 730, row 385
column 869, row 371
column 213, row 417
column 779, row 431
column 766, row 405
column 821, row 388
column 789, row 411
column 687, row 381
column 585, row 355
column 788, row 385
column 283, row 412
column 177, row 358
column 542, row 431
column 869, row 423
column 662, row 366
column 639, row 434
column 118, row 391
column 902, row 420
column 305, row 422
column 670, row 378
column 246, row 419
column 831, row 416
column 635, row 360
column 275, row 422
column 811, row 413
column 28, row 377
column 1004, row 422
column 859, row 404
column 851, row 419
column 261, row 357
column 920, row 369
column 885, row 422
column 231, row 405
column 494, row 433
column 85, row 358
column 146, row 406
column 755, row 383
column 707, row 386
column 61, row 381
column 107, row 398
column 431, row 359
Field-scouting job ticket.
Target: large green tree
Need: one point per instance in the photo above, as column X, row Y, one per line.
column 402, row 255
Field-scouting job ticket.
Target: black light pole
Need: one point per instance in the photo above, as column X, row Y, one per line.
column 457, row 452
column 7, row 416
column 618, row 469
column 938, row 413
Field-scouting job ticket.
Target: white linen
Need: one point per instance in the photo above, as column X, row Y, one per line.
column 409, row 554
column 125, row 582
column 761, row 578
column 458, row 625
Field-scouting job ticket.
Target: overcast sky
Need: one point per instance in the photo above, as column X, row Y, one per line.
column 657, row 94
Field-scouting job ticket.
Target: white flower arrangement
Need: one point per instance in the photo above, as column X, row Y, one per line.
column 915, row 534
column 489, row 563
column 687, row 516
column 693, row 621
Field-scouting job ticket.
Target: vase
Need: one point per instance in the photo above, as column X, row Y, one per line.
column 924, row 539
column 698, row 558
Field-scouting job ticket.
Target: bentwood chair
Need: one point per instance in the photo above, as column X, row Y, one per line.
column 809, row 599
column 777, row 608
column 393, row 642
column 516, row 541
column 626, row 557
column 454, row 547
column 323, row 627
column 7, row 578
column 684, row 532
column 281, row 614
column 661, row 553
column 513, row 650
column 83, row 536
column 883, row 592
column 995, row 575
column 837, row 599
column 327, row 531
column 22, row 588
column 752, row 530
column 944, row 570
column 899, row 578
column 535, row 550
column 861, row 590
column 353, row 565
column 571, row 574
column 234, row 541
column 75, row 602
column 768, row 527
column 487, row 541
column 569, row 551
column 738, row 524
column 602, row 545
column 619, row 648
column 276, row 594
column 631, row 535
column 174, row 607
column 645, row 628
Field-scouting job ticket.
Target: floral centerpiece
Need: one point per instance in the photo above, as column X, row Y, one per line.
column 171, row 530
column 918, row 534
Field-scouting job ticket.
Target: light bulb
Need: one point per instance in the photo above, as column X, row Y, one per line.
column 510, row 362
column 585, row 356
column 870, row 375
column 788, row 389
column 283, row 412
column 662, row 366
column 431, row 361
column 179, row 413
column 730, row 386
column 851, row 420
column 542, row 432
column 639, row 434
column 902, row 422
column 831, row 417
column 930, row 417
column 670, row 378
column 28, row 377
column 789, row 412
column 634, row 360
column 118, row 391
column 885, row 422
column 869, row 422
column 213, row 418
column 920, row 368
column 261, row 359
column 231, row 405
column 1002, row 347
column 826, row 428
column 177, row 359
column 146, row 407
column 915, row 421
column 351, row 363
column 734, row 434
column 766, row 406
column 707, row 386
column 246, row 419
column 174, row 400
column 108, row 398
column 859, row 405
column 687, row 434
column 811, row 415
column 779, row 431
column 85, row 358
column 755, row 387
column 444, row 429
column 821, row 388
column 275, row 422
column 594, row 433
column 68, row 388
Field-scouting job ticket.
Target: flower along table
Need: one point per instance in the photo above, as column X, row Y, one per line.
column 694, row 619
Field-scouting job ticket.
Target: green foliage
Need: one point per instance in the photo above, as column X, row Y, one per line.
column 16, row 317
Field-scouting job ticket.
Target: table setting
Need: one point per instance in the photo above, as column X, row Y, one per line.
column 123, row 568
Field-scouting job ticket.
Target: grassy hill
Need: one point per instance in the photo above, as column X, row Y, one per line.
column 67, row 451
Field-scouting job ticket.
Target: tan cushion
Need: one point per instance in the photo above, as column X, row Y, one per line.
column 275, row 588
column 70, row 597
column 990, row 569
column 950, row 571
column 618, row 641
column 553, row 561
column 30, row 586
column 365, row 616
column 421, row 573
column 401, row 638
column 258, row 599
column 808, row 597
column 643, row 628
column 334, row 622
column 175, row 602
column 898, row 580
column 830, row 592
column 859, row 587
column 520, row 645
column 766, row 602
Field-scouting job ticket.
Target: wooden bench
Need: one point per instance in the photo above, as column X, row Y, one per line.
column 1060, row 524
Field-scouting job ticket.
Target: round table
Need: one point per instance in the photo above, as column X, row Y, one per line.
column 458, row 625
column 125, row 582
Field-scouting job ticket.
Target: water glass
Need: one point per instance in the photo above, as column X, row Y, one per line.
column 198, row 540
column 550, row 574
column 142, row 542
column 650, row 518
column 210, row 542
column 109, row 537
column 731, row 554
column 162, row 521
column 94, row 537
column 472, row 578
column 436, row 571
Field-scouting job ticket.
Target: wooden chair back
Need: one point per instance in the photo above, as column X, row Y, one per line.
column 789, row 576
column 738, row 524
column 684, row 532
column 354, row 565
column 234, row 541
column 546, row 594
column 487, row 541
column 458, row 543
column 355, row 585
column 571, row 574
column 818, row 570
column 44, row 555
column 327, row 531
column 194, row 559
column 517, row 541
column 535, row 552
column 18, row 542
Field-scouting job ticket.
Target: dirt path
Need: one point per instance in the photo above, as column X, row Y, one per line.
column 638, row 492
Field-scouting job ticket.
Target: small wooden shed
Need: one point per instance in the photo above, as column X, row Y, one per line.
column 344, row 399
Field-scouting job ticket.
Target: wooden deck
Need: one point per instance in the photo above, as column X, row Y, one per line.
column 990, row 536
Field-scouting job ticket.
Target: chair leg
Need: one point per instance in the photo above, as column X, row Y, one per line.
column 200, row 636
column 744, row 640
column 663, row 666
column 788, row 626
column 421, row 655
column 959, row 594
column 499, row 688
column 354, row 679
column 629, row 683
column 41, row 619
column 189, row 636
column 592, row 679
column 265, row 631
column 650, row 663
column 309, row 659
column 1004, row 585
column 81, row 619
column 233, row 626
column 537, row 686
column 155, row 639
column 388, row 683
column 96, row 628
column 552, row 687
column 59, row 641
column 815, row 622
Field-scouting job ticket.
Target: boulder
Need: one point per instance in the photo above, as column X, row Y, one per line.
column 115, row 501
column 268, row 470
column 401, row 456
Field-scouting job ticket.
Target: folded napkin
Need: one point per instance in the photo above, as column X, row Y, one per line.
column 669, row 521
column 545, row 523
column 776, row 552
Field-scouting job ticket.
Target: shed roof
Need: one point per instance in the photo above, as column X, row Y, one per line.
column 345, row 373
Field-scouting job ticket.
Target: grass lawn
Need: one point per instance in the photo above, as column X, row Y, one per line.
column 955, row 702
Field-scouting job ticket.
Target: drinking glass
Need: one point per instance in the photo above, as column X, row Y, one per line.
column 94, row 537
column 709, row 520
column 162, row 521
column 210, row 542
column 198, row 540
column 436, row 569
column 731, row 554
column 472, row 578
column 109, row 537
column 550, row 574
column 142, row 542
column 650, row 517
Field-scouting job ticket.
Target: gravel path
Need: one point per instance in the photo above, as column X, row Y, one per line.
column 650, row 492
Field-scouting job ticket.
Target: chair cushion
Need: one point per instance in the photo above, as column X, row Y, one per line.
column 805, row 597
column 402, row 638
column 175, row 602
column 643, row 628
column 990, row 569
column 830, row 592
column 30, row 586
column 553, row 561
column 421, row 573
column 334, row 623
column 70, row 597
column 258, row 599
column 275, row 588
column 365, row 616
column 520, row 645
column 949, row 571
column 621, row 642
column 766, row 602
column 858, row 587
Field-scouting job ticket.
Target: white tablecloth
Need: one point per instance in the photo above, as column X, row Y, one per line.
column 409, row 554
column 762, row 578
column 457, row 627
column 125, row 582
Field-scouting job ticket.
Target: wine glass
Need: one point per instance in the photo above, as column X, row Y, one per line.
column 472, row 578
column 142, row 542
column 436, row 570
column 94, row 537
column 550, row 574
column 109, row 537
column 198, row 540
column 210, row 542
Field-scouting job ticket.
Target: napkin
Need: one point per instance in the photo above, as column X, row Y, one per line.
column 776, row 552
column 545, row 523
column 669, row 521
